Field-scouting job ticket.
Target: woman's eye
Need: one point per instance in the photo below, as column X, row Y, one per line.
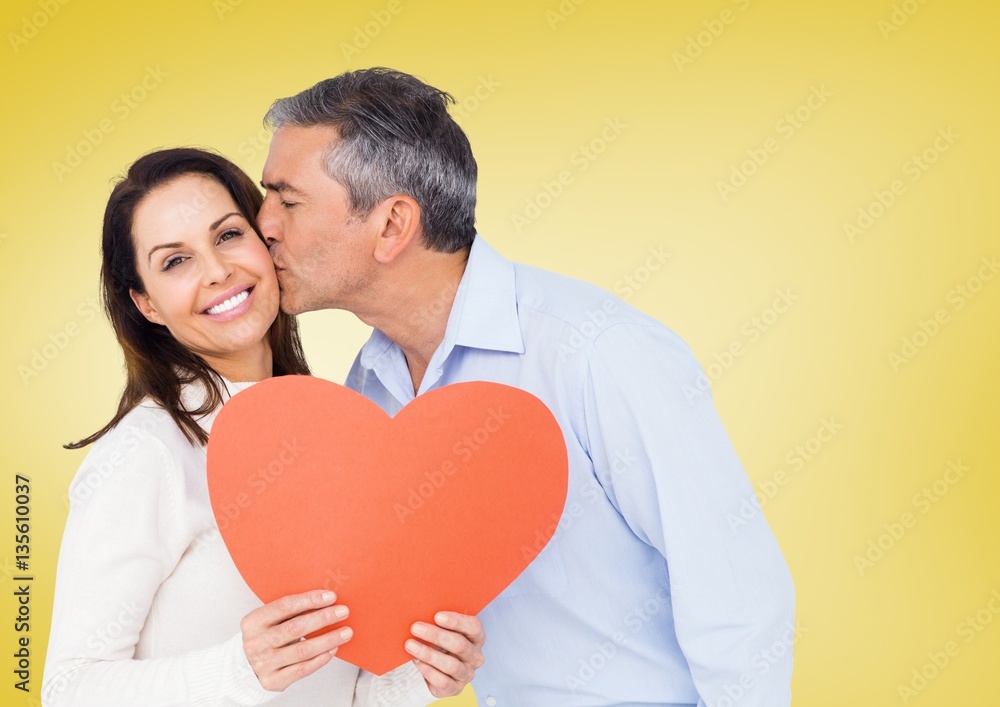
column 176, row 260
column 230, row 234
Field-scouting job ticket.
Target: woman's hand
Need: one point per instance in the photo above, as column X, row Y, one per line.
column 273, row 637
column 454, row 654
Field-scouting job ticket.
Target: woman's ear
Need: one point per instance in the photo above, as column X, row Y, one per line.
column 143, row 304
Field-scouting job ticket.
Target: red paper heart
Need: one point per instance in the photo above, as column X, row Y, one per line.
column 439, row 508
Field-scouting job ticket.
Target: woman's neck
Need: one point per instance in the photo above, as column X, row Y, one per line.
column 249, row 365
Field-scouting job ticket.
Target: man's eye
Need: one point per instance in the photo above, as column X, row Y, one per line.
column 288, row 204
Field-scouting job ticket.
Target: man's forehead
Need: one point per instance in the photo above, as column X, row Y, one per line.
column 296, row 151
column 299, row 139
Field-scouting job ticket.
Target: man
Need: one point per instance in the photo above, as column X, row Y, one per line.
column 645, row 595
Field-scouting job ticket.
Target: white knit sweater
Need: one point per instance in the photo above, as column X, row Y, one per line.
column 148, row 602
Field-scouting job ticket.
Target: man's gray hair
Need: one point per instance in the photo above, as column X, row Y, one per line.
column 396, row 137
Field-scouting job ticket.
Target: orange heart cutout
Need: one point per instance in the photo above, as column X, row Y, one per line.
column 313, row 486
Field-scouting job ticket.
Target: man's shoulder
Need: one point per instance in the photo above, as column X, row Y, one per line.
column 567, row 298
column 587, row 311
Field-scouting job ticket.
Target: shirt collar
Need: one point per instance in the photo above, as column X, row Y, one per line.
column 483, row 315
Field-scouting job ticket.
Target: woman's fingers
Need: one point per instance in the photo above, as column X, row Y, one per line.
column 293, row 662
column 274, row 637
column 280, row 609
column 301, row 650
column 301, row 625
column 292, row 673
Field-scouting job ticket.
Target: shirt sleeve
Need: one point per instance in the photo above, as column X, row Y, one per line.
column 678, row 489
column 402, row 687
column 125, row 533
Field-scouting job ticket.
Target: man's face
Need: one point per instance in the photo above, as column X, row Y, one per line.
column 323, row 254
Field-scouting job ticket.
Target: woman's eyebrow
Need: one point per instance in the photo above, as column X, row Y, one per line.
column 215, row 225
column 162, row 245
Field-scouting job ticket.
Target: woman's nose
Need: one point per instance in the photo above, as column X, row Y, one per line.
column 216, row 269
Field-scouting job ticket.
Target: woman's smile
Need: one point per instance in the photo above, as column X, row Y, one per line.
column 230, row 306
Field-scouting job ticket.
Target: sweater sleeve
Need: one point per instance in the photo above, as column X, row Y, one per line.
column 126, row 531
column 402, row 687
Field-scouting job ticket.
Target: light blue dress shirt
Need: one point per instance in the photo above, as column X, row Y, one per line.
column 658, row 587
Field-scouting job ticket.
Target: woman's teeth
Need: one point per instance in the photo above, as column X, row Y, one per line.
column 229, row 303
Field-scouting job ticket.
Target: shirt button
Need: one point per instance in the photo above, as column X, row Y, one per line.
column 491, row 701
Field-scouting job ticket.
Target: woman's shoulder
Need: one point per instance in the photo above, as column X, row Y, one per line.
column 146, row 446
column 147, row 424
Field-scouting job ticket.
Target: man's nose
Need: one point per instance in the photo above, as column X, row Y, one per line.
column 268, row 225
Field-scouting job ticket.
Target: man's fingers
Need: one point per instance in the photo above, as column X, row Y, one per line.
column 438, row 683
column 446, row 663
column 467, row 625
column 449, row 641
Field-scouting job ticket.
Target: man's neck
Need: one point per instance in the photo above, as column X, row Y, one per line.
column 413, row 305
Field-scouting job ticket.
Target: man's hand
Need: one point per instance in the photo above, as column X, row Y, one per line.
column 454, row 652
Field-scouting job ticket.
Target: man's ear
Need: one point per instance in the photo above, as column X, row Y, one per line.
column 143, row 304
column 399, row 224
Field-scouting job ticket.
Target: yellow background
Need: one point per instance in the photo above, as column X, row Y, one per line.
column 548, row 81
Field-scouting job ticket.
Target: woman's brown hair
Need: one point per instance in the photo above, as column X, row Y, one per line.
column 157, row 366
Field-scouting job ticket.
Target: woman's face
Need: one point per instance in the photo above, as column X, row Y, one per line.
column 208, row 276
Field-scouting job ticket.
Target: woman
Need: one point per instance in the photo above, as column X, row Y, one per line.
column 149, row 608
